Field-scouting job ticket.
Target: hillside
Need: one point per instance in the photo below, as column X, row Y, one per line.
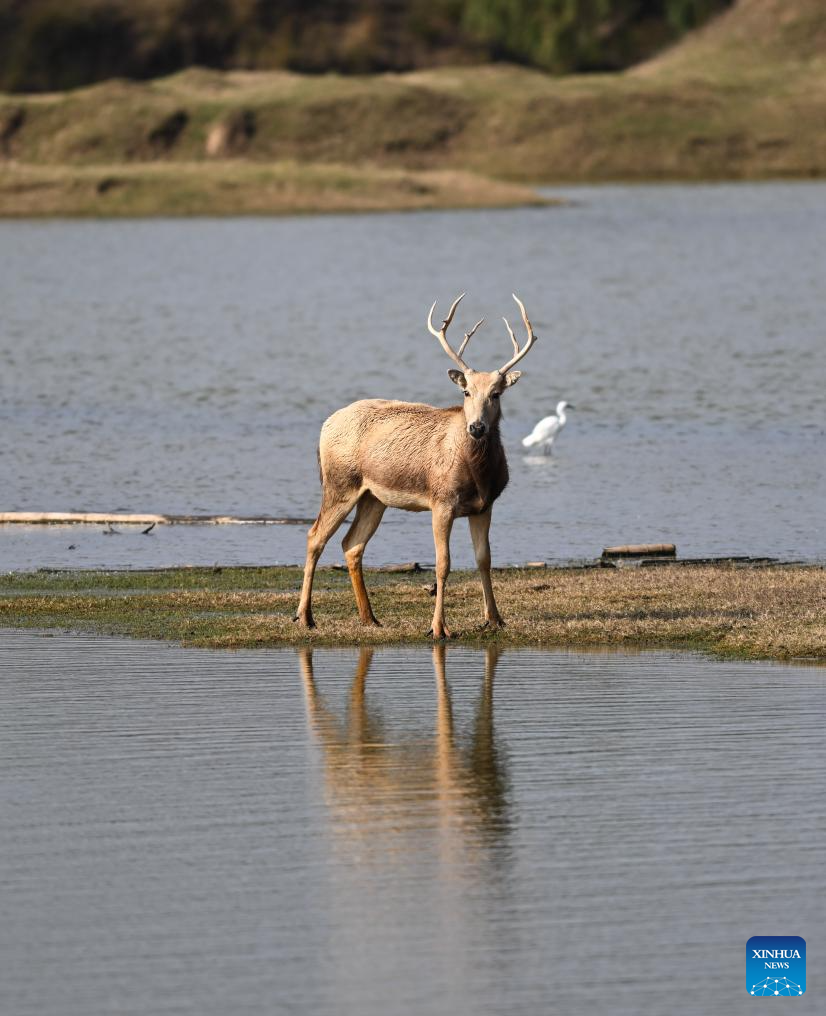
column 787, row 32
column 744, row 97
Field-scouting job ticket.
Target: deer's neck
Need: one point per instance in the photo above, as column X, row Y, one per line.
column 486, row 464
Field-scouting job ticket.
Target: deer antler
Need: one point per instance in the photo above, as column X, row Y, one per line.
column 518, row 353
column 469, row 336
column 440, row 335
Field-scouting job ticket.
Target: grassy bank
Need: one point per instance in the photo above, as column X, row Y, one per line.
column 239, row 188
column 771, row 613
column 742, row 98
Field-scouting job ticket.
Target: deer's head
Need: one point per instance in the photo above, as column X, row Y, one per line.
column 482, row 389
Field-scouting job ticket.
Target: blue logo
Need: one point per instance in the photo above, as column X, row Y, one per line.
column 776, row 965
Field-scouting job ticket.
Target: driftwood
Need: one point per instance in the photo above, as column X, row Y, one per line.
column 641, row 550
column 126, row 519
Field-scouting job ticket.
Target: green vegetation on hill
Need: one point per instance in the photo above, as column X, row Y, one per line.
column 56, row 44
column 581, row 35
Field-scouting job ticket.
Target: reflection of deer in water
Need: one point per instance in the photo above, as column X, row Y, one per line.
column 381, row 790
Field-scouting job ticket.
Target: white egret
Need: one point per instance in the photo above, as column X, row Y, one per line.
column 544, row 433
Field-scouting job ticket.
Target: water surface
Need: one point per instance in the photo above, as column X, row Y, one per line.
column 186, row 366
column 400, row 832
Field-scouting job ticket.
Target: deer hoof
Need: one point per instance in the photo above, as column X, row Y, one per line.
column 440, row 635
column 493, row 623
column 306, row 621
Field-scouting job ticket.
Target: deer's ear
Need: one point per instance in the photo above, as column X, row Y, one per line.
column 458, row 378
column 512, row 378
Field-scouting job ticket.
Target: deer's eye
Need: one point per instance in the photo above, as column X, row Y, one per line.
column 494, row 395
column 467, row 395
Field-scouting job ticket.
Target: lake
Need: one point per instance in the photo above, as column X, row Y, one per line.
column 187, row 366
column 409, row 831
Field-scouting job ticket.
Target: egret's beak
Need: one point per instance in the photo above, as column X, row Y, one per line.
column 569, row 406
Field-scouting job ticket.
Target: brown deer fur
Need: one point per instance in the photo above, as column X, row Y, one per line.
column 378, row 453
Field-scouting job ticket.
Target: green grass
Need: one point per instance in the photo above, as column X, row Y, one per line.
column 744, row 612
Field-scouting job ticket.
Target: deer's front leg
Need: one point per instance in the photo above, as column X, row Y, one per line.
column 480, row 534
column 442, row 524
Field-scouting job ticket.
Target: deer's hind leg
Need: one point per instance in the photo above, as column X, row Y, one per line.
column 368, row 516
column 334, row 510
column 442, row 525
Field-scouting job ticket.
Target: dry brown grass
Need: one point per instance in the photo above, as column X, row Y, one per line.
column 777, row 613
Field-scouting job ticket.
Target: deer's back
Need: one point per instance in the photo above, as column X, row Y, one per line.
column 386, row 425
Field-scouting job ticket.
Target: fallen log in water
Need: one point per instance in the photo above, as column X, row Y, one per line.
column 641, row 550
column 128, row 519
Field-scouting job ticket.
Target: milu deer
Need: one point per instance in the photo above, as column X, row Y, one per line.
column 379, row 453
